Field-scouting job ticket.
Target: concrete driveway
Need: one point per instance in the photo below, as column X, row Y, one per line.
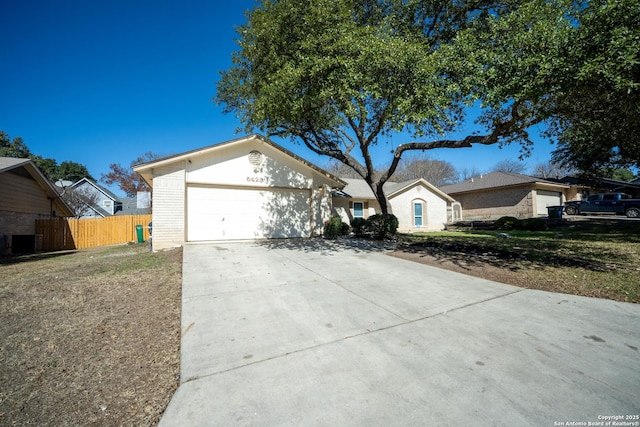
column 317, row 333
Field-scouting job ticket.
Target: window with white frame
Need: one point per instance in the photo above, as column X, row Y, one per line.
column 358, row 210
column 418, row 208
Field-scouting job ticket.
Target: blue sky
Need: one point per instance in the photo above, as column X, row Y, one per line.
column 101, row 82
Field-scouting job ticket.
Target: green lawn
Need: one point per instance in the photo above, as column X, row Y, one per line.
column 594, row 257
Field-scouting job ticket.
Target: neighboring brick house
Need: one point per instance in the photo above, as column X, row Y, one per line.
column 498, row 194
column 25, row 195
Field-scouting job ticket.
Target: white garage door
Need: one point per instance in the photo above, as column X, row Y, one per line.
column 548, row 198
column 231, row 214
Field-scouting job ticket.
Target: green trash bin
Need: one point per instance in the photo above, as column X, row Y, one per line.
column 140, row 234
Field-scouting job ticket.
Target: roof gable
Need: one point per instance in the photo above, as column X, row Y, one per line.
column 359, row 189
column 401, row 187
column 146, row 169
column 11, row 164
column 8, row 163
column 87, row 181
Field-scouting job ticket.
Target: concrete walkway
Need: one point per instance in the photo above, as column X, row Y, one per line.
column 315, row 333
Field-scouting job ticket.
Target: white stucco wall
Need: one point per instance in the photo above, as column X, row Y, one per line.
column 231, row 166
column 434, row 209
column 343, row 207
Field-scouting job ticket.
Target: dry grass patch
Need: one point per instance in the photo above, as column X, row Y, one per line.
column 89, row 337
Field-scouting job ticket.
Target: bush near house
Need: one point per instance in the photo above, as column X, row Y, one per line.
column 379, row 226
column 382, row 226
column 358, row 226
column 528, row 224
column 334, row 228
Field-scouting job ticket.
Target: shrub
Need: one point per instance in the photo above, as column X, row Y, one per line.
column 512, row 223
column 358, row 225
column 506, row 223
column 534, row 224
column 382, row 225
column 334, row 227
column 344, row 228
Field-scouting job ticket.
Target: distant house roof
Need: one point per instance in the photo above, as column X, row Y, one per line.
column 130, row 207
column 496, row 180
column 7, row 163
column 11, row 163
column 98, row 187
column 614, row 184
column 359, row 189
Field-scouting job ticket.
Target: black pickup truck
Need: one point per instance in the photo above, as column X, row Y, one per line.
column 609, row 203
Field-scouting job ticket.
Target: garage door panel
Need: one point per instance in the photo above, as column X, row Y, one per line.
column 548, row 198
column 231, row 214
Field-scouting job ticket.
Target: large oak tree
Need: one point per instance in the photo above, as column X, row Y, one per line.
column 597, row 110
column 342, row 76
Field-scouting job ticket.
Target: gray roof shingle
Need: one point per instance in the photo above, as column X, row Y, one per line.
column 7, row 163
column 358, row 188
column 493, row 180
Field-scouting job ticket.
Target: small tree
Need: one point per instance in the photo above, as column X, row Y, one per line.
column 129, row 181
column 80, row 201
column 436, row 172
column 552, row 169
column 510, row 166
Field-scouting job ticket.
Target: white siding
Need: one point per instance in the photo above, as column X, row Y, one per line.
column 321, row 205
column 231, row 166
column 169, row 206
column 434, row 212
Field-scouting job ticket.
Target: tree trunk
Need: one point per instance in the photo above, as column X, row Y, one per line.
column 381, row 198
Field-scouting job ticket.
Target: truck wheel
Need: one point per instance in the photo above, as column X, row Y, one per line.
column 633, row 213
column 572, row 210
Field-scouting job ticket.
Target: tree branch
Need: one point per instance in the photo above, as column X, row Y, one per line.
column 517, row 123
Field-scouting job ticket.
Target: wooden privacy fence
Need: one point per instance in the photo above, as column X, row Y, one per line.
column 63, row 233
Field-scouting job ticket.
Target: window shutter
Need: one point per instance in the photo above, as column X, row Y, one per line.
column 350, row 204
